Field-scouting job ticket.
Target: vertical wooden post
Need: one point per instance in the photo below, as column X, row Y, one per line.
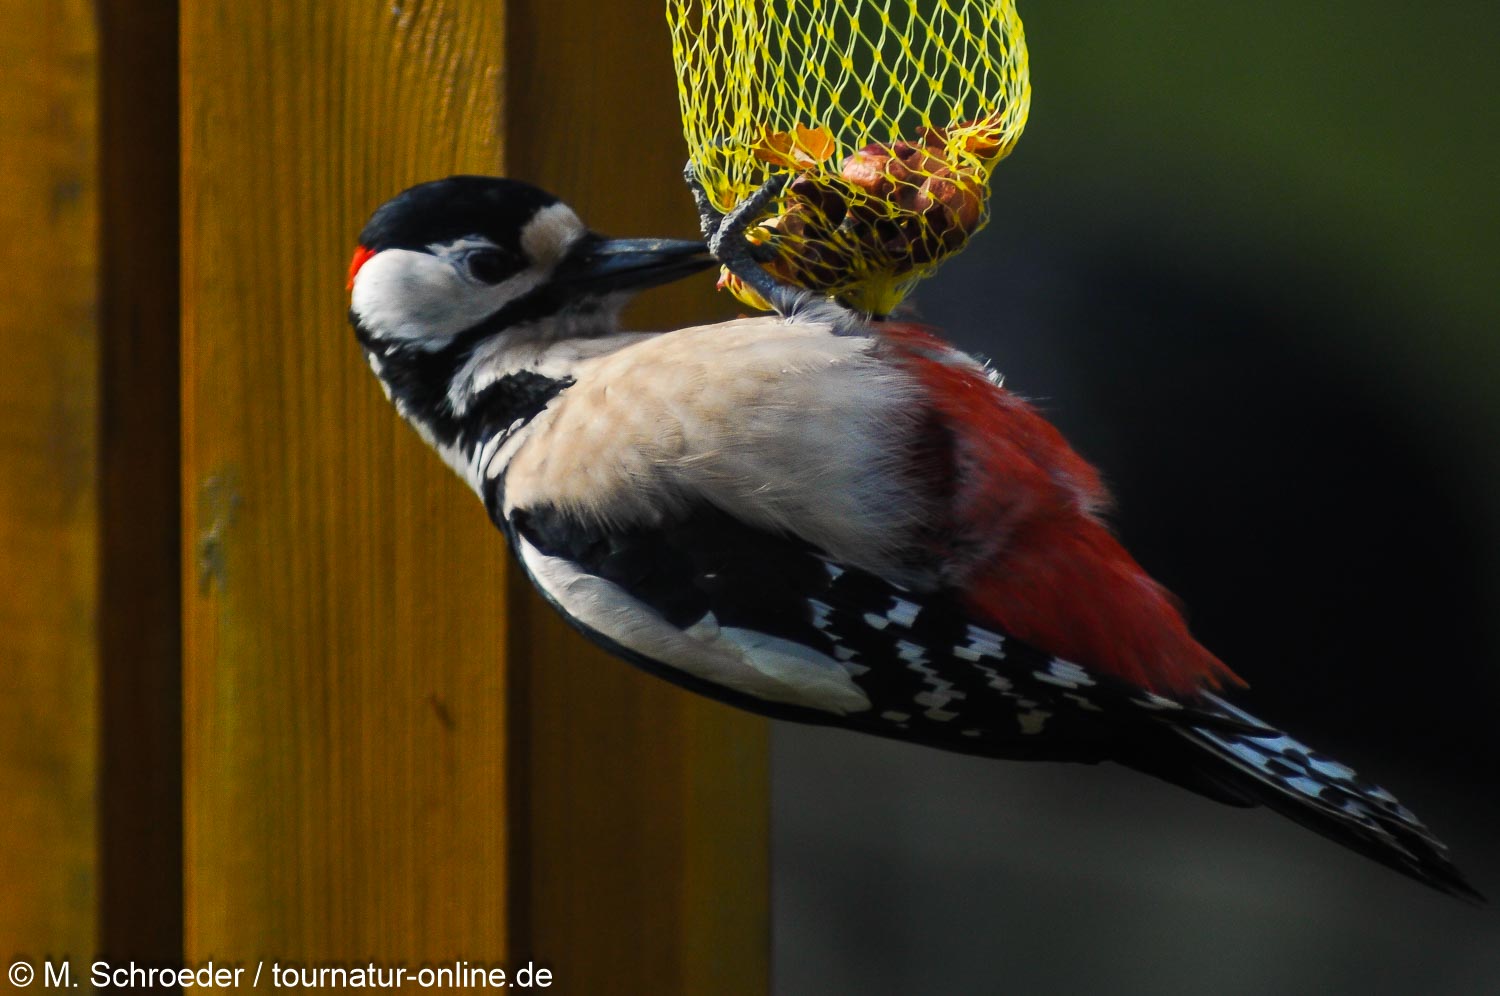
column 49, row 536
column 90, row 859
column 391, row 751
column 345, row 681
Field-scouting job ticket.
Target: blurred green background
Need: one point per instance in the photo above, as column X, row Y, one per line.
column 1245, row 256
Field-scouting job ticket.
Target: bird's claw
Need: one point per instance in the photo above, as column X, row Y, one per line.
column 709, row 217
column 729, row 232
column 725, row 234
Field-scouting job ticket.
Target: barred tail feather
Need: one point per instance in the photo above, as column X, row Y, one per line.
column 1323, row 795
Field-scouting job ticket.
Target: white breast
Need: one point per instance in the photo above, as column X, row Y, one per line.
column 783, row 425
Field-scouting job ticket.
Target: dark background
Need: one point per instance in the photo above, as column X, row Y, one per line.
column 1245, row 257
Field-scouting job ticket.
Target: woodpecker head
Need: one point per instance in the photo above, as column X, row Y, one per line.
column 450, row 271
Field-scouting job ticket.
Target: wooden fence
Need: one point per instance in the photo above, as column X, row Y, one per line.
column 269, row 685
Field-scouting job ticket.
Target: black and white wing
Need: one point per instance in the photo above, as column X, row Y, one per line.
column 768, row 623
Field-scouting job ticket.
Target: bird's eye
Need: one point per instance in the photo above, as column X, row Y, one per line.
column 489, row 266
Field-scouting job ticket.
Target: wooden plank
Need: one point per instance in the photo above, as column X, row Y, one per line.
column 646, row 852
column 345, row 695
column 48, row 482
column 354, row 733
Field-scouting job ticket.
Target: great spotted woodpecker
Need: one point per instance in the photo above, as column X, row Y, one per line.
column 813, row 516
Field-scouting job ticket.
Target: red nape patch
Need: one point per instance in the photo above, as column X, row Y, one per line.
column 1046, row 569
column 361, row 257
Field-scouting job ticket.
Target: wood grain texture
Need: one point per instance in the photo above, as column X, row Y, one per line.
column 646, row 850
column 48, row 485
column 393, row 750
column 345, row 689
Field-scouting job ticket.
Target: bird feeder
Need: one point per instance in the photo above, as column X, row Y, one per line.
column 884, row 117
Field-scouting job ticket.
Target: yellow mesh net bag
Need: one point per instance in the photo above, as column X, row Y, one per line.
column 886, row 115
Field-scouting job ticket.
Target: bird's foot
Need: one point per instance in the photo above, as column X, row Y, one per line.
column 743, row 258
column 709, row 217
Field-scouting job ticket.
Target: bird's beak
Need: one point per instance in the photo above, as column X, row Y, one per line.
column 606, row 266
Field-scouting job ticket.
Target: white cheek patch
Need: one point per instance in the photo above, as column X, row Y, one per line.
column 416, row 297
column 550, row 233
column 766, row 667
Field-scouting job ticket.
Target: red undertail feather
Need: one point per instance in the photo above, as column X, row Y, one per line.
column 1024, row 520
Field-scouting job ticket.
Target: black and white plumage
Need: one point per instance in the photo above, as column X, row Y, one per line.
column 811, row 517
